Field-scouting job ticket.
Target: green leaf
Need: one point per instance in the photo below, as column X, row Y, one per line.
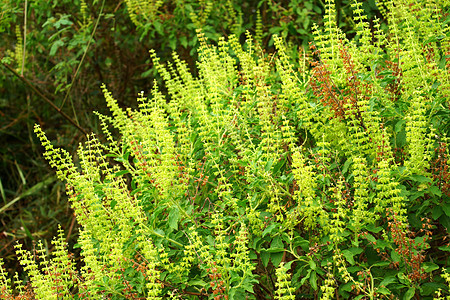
column 395, row 256
column 25, row 228
column 63, row 21
column 445, row 248
column 371, row 238
column 435, row 191
column 268, row 165
column 120, row 173
column 275, row 29
column 437, row 212
column 355, row 250
column 445, row 221
column 275, row 250
column 269, row 229
column 159, row 232
column 257, row 241
column 312, row 264
column 371, row 227
column 277, row 242
column 347, row 164
column 313, row 280
column 296, row 276
column 384, row 291
column 388, row 280
column 416, row 195
column 113, row 203
column 288, row 265
column 348, row 287
column 414, row 221
column 158, row 27
column 237, row 293
column 276, row 258
column 409, row 293
column 403, row 278
column 55, row 47
column 278, row 166
column 353, row 269
column 420, row 178
column 381, row 264
column 265, row 256
column 305, row 278
column 197, row 282
column 446, row 209
column 304, row 244
column 173, row 43
column 382, row 244
column 429, row 288
column 430, row 267
column 399, row 125
column 174, row 216
column 183, row 41
column 349, row 253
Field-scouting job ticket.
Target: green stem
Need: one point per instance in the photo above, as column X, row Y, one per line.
column 84, row 54
column 166, row 238
column 24, row 37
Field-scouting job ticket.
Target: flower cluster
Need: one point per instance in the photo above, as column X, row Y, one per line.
column 245, row 180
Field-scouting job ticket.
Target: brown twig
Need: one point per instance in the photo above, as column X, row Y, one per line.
column 27, row 82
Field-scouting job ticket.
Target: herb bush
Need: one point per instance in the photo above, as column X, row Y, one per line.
column 65, row 49
column 254, row 180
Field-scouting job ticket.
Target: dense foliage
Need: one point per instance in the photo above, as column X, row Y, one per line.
column 254, row 178
column 55, row 55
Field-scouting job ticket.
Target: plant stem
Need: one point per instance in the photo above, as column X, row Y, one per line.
column 46, row 99
column 24, row 36
column 84, row 54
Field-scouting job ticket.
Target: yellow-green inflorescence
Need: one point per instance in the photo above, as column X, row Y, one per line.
column 250, row 178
